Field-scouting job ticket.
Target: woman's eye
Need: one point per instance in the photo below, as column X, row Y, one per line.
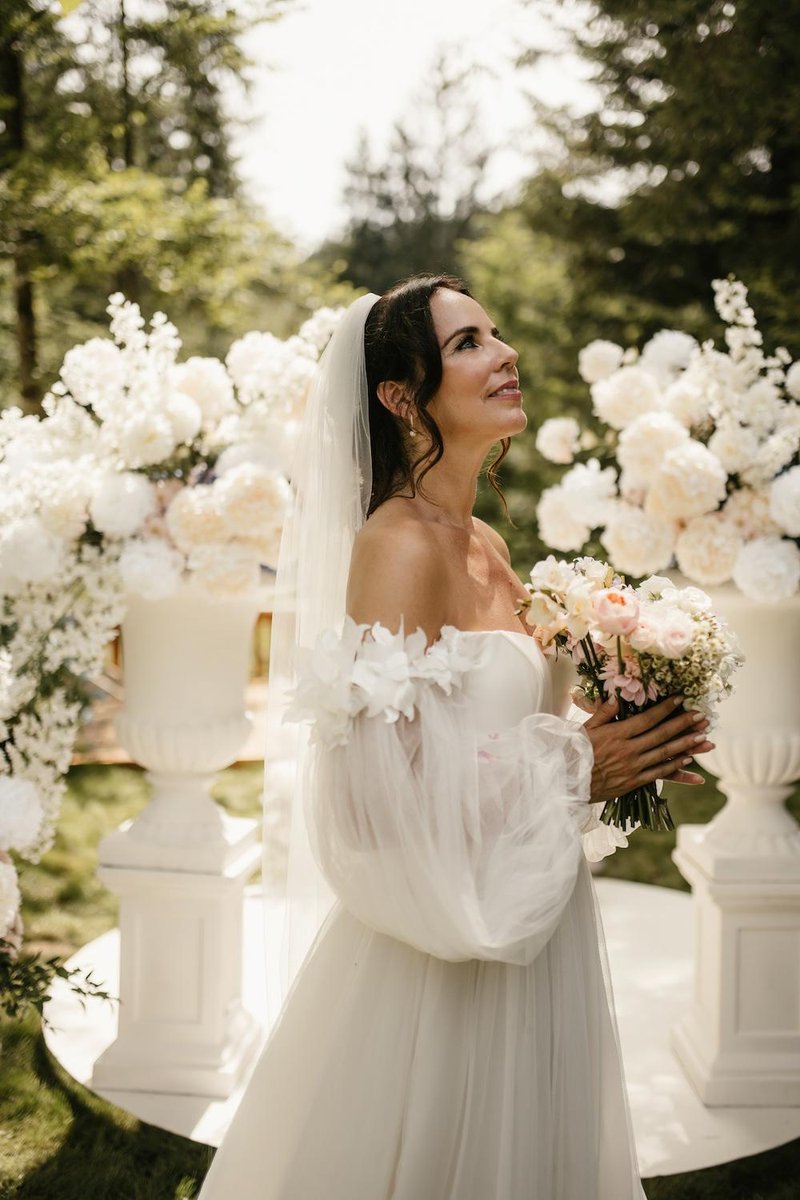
column 469, row 340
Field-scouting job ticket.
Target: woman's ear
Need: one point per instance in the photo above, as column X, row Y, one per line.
column 392, row 395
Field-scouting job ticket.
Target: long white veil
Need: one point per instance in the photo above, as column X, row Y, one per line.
column 332, row 483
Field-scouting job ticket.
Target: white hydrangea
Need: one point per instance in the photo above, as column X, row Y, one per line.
column 224, row 569
column 94, row 374
column 733, row 444
column 568, row 512
column 265, row 368
column 768, row 569
column 29, row 553
column 793, row 381
column 627, row 394
column 9, row 897
column 690, row 481
column 122, row 502
column 667, row 354
column 774, row 453
column 559, row 525
column 707, row 549
column 193, row 518
column 21, row 813
column 269, row 454
column 598, row 360
column 638, row 543
column 208, row 384
column 251, row 499
column 644, row 443
column 184, row 416
column 761, row 406
column 558, row 438
column 686, row 399
column 151, row 568
column 143, row 437
column 784, row 501
column 749, row 510
column 319, row 327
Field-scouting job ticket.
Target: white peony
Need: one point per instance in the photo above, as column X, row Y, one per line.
column 251, row 499
column 774, row 453
column 9, row 897
column 94, row 374
column 768, row 569
column 151, row 568
column 761, row 406
column 21, row 813
column 627, row 394
column 749, row 510
column 667, row 354
column 644, row 443
column 793, row 381
column 29, row 553
column 784, row 501
column 193, row 518
column 568, row 512
column 733, row 444
column 558, row 439
column 207, row 382
column 559, row 525
column 269, row 454
column 185, row 417
column 638, row 542
column 122, row 502
column 598, row 360
column 228, row 569
column 686, row 399
column 143, row 438
column 707, row 549
column 690, row 481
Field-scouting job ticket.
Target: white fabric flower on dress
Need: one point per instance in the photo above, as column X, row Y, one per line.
column 21, row 813
column 784, row 501
column 558, row 439
column 627, row 394
column 121, row 503
column 707, row 549
column 768, row 569
column 598, row 360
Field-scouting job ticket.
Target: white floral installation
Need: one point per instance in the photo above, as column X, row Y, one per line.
column 145, row 475
column 699, row 464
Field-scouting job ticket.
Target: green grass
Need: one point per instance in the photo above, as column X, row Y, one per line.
column 60, row 1142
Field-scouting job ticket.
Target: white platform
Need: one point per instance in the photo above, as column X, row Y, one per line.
column 649, row 935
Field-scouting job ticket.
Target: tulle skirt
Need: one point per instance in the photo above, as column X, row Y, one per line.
column 394, row 1075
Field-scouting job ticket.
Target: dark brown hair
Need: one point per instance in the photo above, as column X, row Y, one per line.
column 400, row 344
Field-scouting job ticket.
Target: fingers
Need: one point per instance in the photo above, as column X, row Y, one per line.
column 690, row 778
column 579, row 699
column 647, row 720
column 604, row 715
column 680, row 726
column 691, row 743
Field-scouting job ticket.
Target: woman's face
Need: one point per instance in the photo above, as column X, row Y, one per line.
column 479, row 398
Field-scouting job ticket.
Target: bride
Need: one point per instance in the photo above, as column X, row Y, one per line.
column 450, row 1033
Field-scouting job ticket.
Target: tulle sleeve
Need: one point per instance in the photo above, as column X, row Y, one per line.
column 460, row 844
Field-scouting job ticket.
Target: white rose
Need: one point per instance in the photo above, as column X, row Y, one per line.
column 228, row 569
column 707, row 549
column 21, row 813
column 627, row 394
column 768, row 568
column 644, row 443
column 121, row 504
column 9, row 897
column 207, row 382
column 552, row 574
column 667, row 354
column 185, row 417
column 690, row 481
column 663, row 630
column 251, row 500
column 598, row 360
column 559, row 527
column 193, row 518
column 638, row 543
column 793, row 381
column 558, row 439
column 151, row 568
column 784, row 501
column 29, row 553
column 733, row 444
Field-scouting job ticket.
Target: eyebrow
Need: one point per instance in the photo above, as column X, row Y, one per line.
column 467, row 329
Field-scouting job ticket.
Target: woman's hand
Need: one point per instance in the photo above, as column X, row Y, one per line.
column 656, row 744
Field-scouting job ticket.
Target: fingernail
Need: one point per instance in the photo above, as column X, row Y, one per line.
column 698, row 716
column 677, row 701
column 685, row 762
column 699, row 737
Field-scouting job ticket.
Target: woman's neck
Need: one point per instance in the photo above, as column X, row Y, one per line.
column 450, row 488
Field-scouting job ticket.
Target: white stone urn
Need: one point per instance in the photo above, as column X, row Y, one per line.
column 181, row 866
column 740, row 1041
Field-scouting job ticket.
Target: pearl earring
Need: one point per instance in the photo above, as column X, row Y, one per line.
column 411, row 430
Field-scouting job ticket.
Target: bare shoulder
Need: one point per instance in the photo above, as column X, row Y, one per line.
column 397, row 573
column 493, row 537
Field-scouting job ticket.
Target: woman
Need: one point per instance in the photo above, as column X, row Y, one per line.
column 450, row 1035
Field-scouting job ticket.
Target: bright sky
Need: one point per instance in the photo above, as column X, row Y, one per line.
column 345, row 65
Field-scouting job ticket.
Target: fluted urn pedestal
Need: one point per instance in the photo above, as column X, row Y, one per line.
column 180, row 867
column 740, row 1042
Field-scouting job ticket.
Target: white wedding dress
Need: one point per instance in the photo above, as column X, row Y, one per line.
column 450, row 1035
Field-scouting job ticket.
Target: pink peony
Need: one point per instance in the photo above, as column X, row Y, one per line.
column 616, row 610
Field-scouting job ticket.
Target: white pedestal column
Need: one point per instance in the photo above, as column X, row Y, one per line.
column 740, row 1041
column 180, row 867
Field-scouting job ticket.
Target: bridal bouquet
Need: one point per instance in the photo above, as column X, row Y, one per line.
column 641, row 644
column 697, row 461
